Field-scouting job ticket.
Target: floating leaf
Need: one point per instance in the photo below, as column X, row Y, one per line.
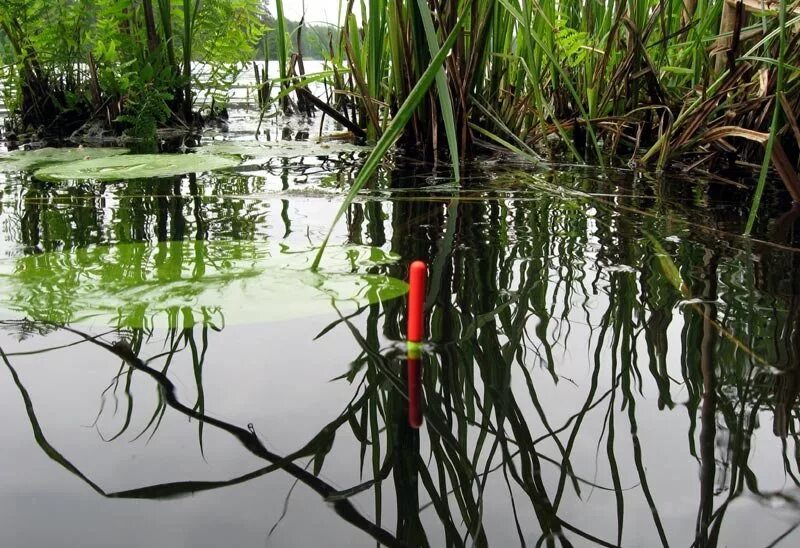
column 21, row 160
column 179, row 284
column 135, row 166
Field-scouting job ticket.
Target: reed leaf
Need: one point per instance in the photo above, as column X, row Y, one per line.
column 392, row 133
column 442, row 89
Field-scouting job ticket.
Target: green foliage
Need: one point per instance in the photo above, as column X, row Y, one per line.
column 634, row 82
column 573, row 44
column 224, row 49
column 130, row 63
column 146, row 108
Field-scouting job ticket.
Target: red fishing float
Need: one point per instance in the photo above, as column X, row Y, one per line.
column 417, row 275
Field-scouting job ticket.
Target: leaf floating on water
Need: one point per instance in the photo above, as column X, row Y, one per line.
column 21, row 160
column 135, row 166
column 180, row 284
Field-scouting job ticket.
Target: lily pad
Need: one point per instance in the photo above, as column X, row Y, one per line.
column 135, row 166
column 180, row 284
column 265, row 150
column 21, row 160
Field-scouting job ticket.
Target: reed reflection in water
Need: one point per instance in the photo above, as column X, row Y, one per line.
column 597, row 368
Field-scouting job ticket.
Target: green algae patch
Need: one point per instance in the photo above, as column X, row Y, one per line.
column 135, row 166
column 23, row 160
column 180, row 284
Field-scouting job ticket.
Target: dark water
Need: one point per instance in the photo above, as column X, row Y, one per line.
column 608, row 363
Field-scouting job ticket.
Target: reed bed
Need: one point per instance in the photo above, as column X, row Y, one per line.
column 702, row 87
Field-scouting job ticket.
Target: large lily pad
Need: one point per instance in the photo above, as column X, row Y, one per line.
column 21, row 160
column 180, row 284
column 136, row 166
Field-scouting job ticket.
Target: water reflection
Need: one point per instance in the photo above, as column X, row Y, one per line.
column 181, row 283
column 597, row 368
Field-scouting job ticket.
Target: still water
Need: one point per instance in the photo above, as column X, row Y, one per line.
column 607, row 361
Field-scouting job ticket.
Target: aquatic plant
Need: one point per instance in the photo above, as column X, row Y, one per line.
column 22, row 160
column 134, row 166
column 682, row 85
column 127, row 65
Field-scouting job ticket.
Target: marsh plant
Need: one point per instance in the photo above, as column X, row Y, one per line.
column 127, row 64
column 637, row 76
column 703, row 87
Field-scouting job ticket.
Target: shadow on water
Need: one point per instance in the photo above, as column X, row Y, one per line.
column 569, row 333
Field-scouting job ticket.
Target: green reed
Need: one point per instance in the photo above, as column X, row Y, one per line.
column 580, row 63
column 660, row 84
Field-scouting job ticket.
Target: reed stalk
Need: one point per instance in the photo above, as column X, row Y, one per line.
column 631, row 81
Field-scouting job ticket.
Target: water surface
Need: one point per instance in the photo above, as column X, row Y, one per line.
column 607, row 363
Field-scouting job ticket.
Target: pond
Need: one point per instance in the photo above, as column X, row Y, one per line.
column 607, row 362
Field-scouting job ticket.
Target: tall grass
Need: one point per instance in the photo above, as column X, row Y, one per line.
column 688, row 85
column 395, row 128
column 775, row 126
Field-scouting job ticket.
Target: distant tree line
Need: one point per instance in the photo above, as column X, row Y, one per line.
column 315, row 40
